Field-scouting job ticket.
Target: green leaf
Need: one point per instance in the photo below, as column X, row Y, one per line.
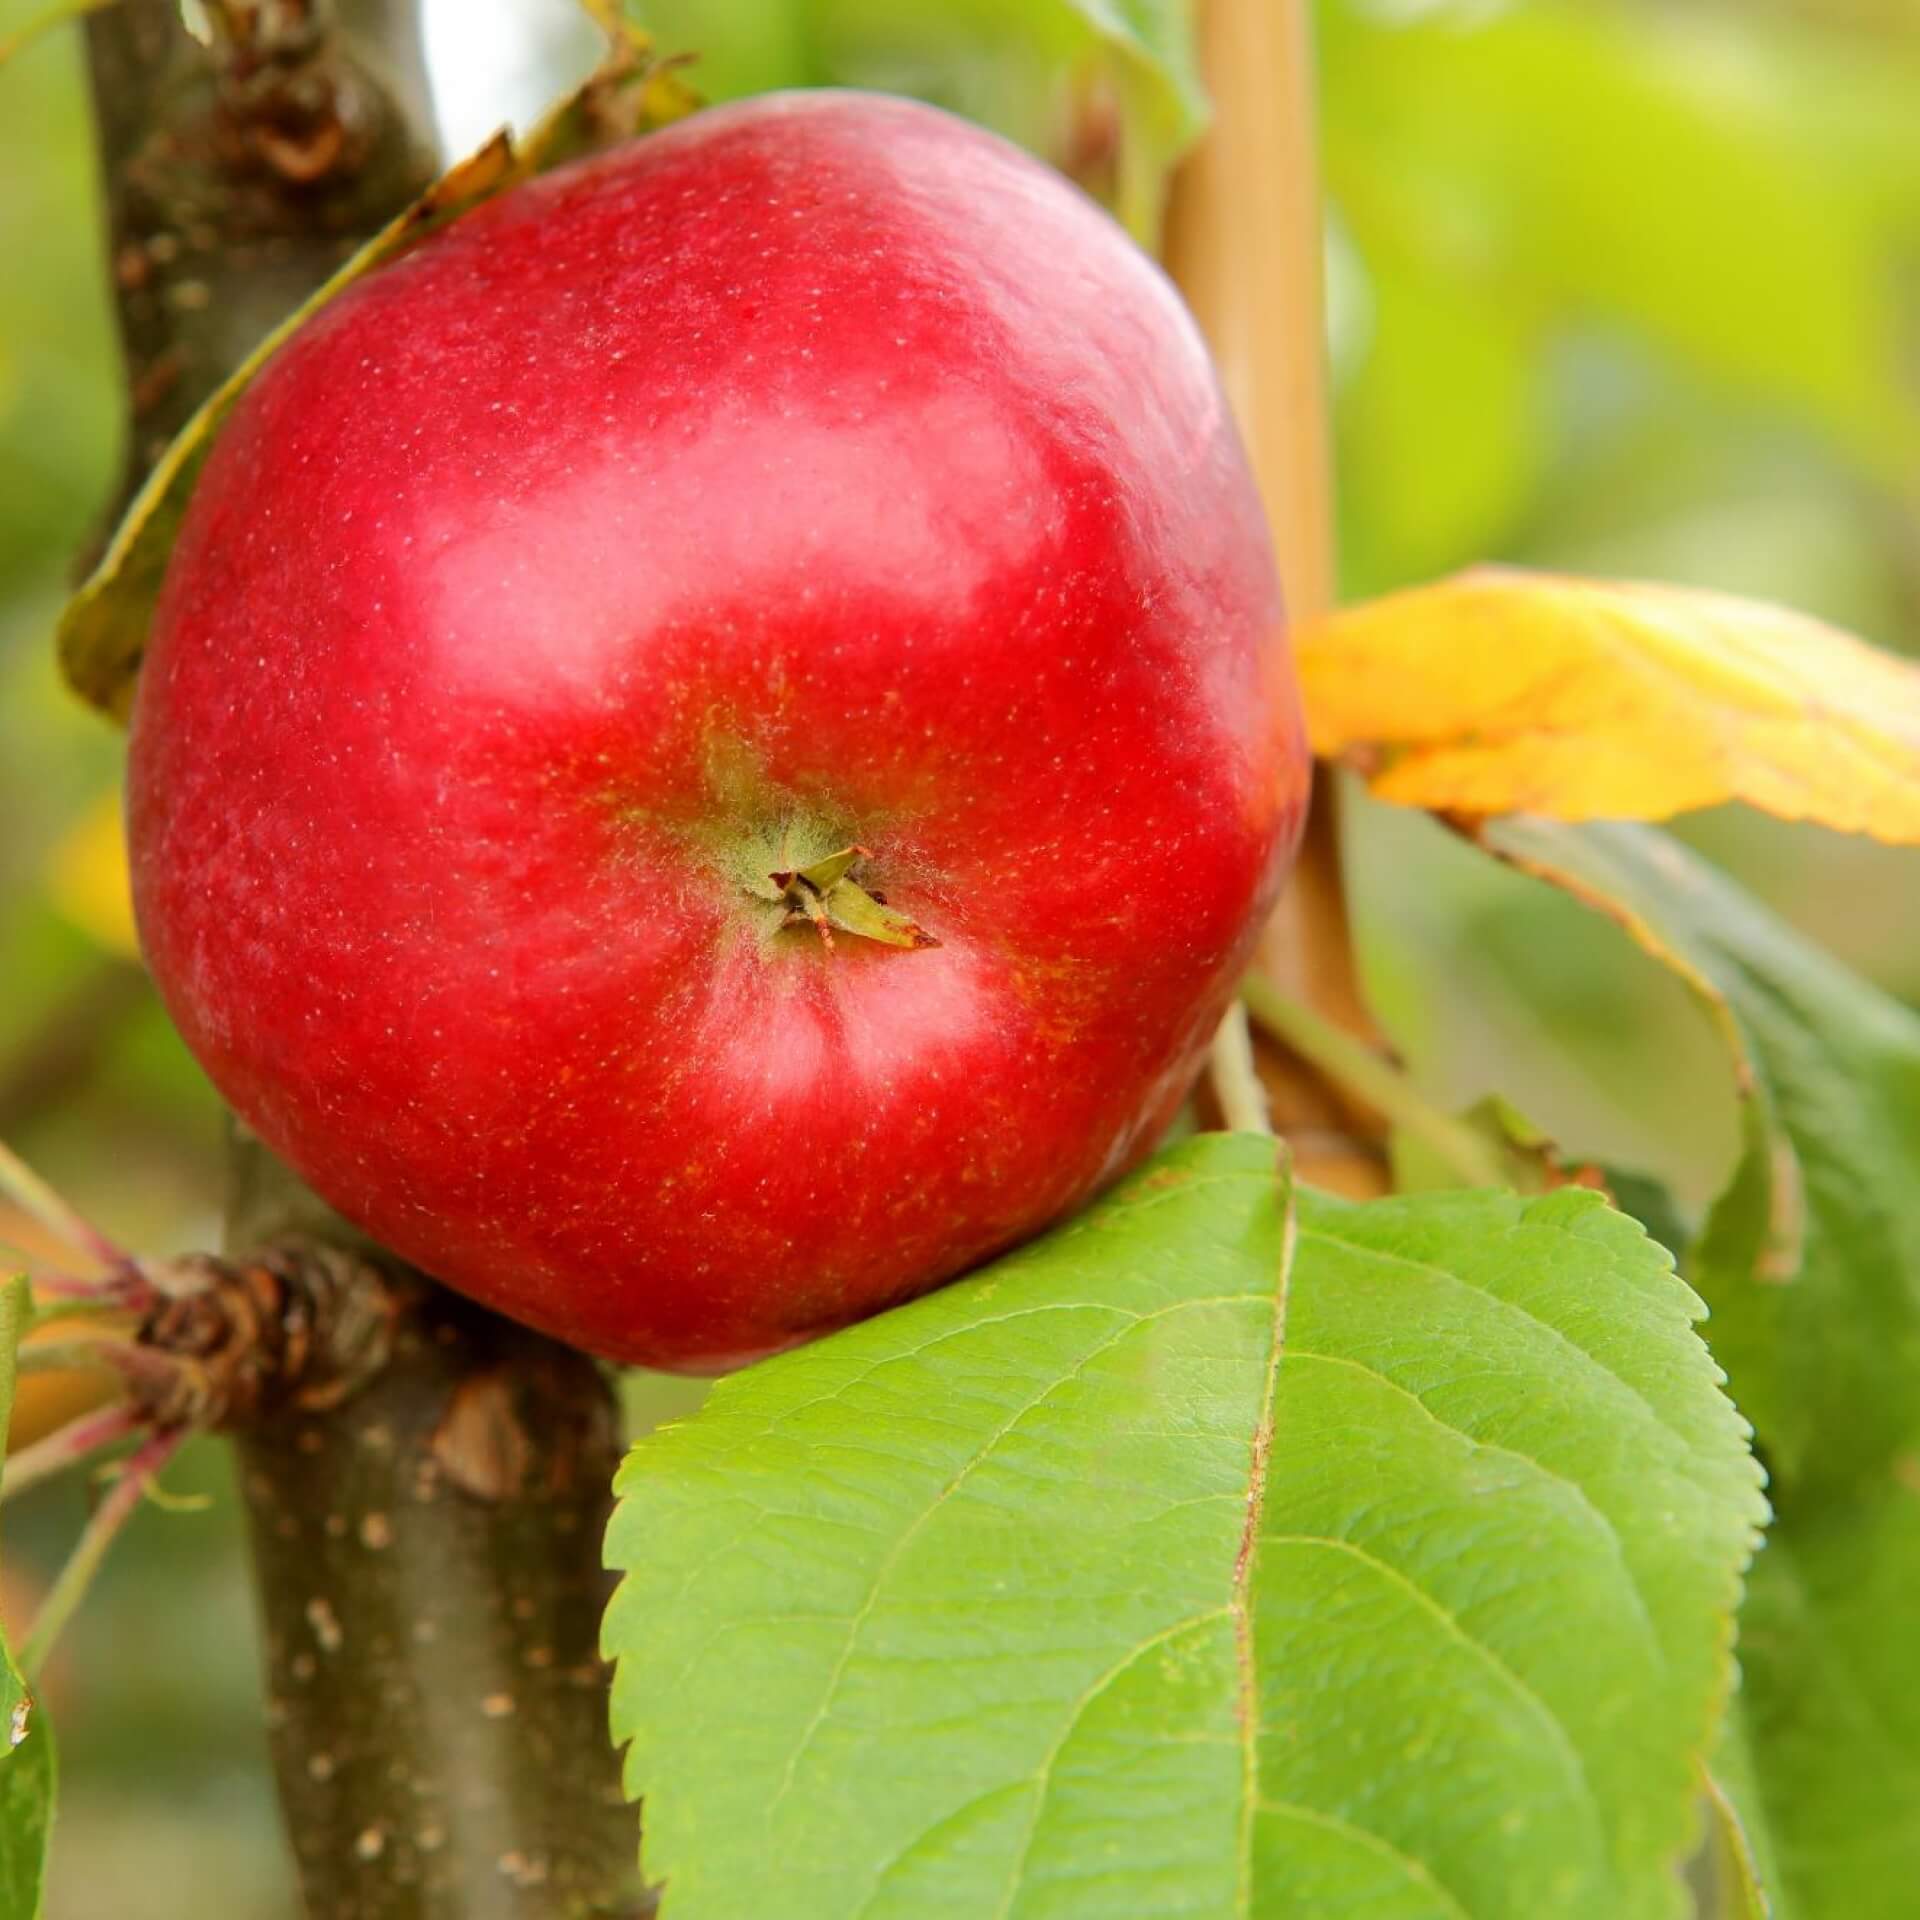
column 1745, row 1872
column 1187, row 1563
column 1811, row 1259
column 28, row 1791
column 1651, row 1202
column 1107, row 90
column 26, row 1740
column 103, row 630
column 1830, row 1657
column 1522, row 1154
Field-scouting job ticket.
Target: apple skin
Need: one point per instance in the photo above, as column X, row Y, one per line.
column 819, row 471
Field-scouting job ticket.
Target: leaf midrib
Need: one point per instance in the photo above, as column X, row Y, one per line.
column 1246, row 1704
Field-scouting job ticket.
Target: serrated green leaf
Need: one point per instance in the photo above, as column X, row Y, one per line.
column 1524, row 1155
column 1176, row 1565
column 26, row 1739
column 103, row 629
column 1107, row 90
column 1531, row 1161
column 1811, row 1259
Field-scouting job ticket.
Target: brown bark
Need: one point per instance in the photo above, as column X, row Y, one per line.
column 239, row 176
column 428, row 1557
column 426, row 1517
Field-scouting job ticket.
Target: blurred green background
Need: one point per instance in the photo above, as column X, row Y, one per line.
column 1621, row 286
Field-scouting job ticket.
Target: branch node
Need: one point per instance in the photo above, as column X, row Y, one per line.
column 295, row 1327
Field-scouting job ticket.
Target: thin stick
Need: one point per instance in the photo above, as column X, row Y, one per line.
column 140, row 1365
column 85, row 1354
column 127, row 1289
column 1244, row 244
column 101, row 1293
column 65, row 1310
column 67, row 1446
column 1235, row 1077
column 20, row 1184
column 83, row 1563
column 1374, row 1079
column 124, row 1290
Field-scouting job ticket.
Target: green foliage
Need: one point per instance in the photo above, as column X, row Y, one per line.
column 1830, row 1658
column 1108, row 90
column 1811, row 1261
column 1600, row 257
column 1744, row 1874
column 27, row 1795
column 26, row 1740
column 1174, row 1566
column 1527, row 173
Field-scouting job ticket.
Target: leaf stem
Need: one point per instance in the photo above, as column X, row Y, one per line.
column 137, row 1364
column 1234, row 1075
column 84, row 1562
column 70, row 1356
column 67, row 1446
column 64, row 1309
column 74, row 1294
column 66, row 1296
column 1373, row 1078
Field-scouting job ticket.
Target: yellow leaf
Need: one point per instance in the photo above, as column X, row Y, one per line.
column 87, row 877
column 1505, row 692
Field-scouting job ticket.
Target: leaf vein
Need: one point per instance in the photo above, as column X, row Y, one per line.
column 1521, row 1311
column 1556, row 1728
column 892, row 1557
column 1075, row 1714
column 1616, row 1541
column 1246, row 1679
column 1415, row 1869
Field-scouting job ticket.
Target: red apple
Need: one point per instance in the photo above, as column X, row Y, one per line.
column 716, row 737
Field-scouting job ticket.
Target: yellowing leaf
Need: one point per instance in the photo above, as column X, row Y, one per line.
column 1505, row 692
column 87, row 877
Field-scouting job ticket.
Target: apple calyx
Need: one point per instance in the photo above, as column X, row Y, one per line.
column 826, row 894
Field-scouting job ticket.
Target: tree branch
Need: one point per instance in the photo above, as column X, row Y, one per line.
column 426, row 1519
column 239, row 175
column 428, row 1559
column 1244, row 243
